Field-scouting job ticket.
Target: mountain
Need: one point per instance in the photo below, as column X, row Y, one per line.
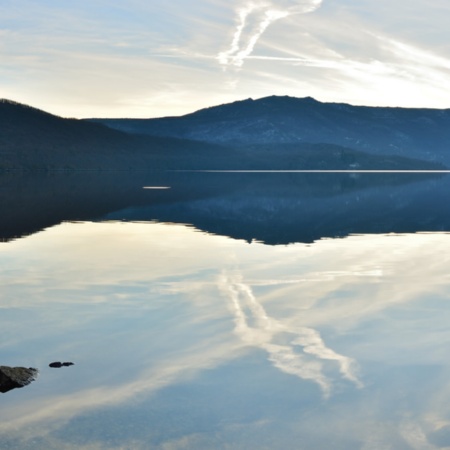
column 31, row 139
column 408, row 132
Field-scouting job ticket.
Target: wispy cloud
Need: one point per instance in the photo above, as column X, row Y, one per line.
column 252, row 21
column 415, row 436
column 302, row 356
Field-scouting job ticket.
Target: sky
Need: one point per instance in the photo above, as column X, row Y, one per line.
column 148, row 58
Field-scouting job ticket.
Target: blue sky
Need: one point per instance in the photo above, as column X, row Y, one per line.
column 140, row 58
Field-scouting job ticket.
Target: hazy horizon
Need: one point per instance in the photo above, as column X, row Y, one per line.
column 213, row 106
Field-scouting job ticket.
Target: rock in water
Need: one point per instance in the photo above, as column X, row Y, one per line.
column 58, row 364
column 16, row 377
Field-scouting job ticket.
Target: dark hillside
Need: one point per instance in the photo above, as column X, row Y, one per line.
column 28, row 126
column 31, row 139
column 411, row 132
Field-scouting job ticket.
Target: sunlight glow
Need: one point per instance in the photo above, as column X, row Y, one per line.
column 172, row 62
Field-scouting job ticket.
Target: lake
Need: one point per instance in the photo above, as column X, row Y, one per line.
column 226, row 310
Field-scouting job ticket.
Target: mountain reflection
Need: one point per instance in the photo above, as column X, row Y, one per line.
column 275, row 208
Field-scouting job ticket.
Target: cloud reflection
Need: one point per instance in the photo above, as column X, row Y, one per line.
column 164, row 324
column 302, row 355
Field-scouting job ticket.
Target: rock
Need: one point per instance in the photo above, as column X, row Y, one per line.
column 55, row 364
column 58, row 364
column 16, row 377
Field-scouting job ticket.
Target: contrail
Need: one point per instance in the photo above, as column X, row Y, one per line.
column 253, row 19
column 243, row 13
column 306, row 365
column 313, row 344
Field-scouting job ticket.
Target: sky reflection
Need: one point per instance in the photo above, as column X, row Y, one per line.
column 253, row 343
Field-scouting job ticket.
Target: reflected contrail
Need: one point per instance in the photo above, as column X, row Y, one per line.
column 252, row 21
column 307, row 365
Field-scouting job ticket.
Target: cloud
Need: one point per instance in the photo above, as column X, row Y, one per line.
column 252, row 21
column 415, row 436
column 306, row 363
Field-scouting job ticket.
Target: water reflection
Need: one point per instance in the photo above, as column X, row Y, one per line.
column 275, row 208
column 264, row 333
column 187, row 340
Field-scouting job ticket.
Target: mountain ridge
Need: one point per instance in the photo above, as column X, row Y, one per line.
column 32, row 139
column 415, row 132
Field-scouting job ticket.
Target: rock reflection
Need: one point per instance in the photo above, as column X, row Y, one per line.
column 16, row 377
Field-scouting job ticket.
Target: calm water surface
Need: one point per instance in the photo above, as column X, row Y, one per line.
column 187, row 340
